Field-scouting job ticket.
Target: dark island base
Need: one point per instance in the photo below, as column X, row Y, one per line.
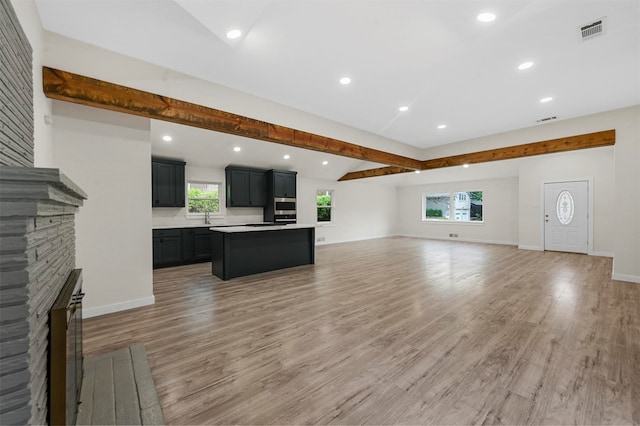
column 236, row 254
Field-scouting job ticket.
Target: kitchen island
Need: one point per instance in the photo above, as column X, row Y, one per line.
column 245, row 250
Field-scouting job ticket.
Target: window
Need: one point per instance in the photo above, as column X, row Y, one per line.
column 203, row 197
column 437, row 206
column 453, row 206
column 324, row 203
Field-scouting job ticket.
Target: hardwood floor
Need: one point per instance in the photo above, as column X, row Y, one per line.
column 392, row 331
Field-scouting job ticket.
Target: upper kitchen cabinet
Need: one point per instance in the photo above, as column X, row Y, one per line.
column 284, row 184
column 167, row 183
column 246, row 187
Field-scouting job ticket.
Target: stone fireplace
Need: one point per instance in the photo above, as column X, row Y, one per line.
column 37, row 237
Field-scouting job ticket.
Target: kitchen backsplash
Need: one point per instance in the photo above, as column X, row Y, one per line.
column 178, row 217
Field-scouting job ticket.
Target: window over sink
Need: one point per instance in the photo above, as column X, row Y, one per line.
column 203, row 197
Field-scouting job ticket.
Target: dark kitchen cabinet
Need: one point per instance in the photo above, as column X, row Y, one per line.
column 196, row 244
column 167, row 183
column 167, row 247
column 188, row 252
column 284, row 184
column 280, row 184
column 202, row 245
column 245, row 187
column 181, row 246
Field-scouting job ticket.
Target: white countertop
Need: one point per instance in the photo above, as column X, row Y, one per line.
column 234, row 229
column 197, row 225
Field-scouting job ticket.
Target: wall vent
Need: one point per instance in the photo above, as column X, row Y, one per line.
column 592, row 29
column 544, row 120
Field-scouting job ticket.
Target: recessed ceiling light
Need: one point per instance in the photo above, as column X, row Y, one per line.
column 547, row 99
column 525, row 65
column 167, row 138
column 234, row 34
column 286, row 156
column 417, row 172
column 442, row 126
column 325, row 162
column 486, row 17
column 403, row 108
column 466, row 166
column 237, row 149
column 345, row 80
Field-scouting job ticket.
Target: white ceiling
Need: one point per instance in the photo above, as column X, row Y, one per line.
column 433, row 56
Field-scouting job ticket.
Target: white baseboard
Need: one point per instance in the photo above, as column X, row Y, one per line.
column 601, row 253
column 117, row 307
column 462, row 240
column 324, row 243
column 628, row 278
column 534, row 248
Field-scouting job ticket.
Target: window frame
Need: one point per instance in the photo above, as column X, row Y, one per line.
column 187, row 198
column 330, row 207
column 453, row 197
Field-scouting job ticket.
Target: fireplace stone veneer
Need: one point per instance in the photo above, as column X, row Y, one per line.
column 37, row 253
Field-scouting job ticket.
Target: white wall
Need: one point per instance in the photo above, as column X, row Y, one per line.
column 500, row 212
column 615, row 173
column 30, row 22
column 109, row 156
column 361, row 210
column 596, row 164
column 626, row 231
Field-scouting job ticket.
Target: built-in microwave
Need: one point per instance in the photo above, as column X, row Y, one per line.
column 285, row 205
column 284, row 210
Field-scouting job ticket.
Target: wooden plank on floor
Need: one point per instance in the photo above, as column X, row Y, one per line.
column 104, row 413
column 127, row 408
column 85, row 409
column 150, row 410
column 152, row 416
column 144, row 381
column 119, row 354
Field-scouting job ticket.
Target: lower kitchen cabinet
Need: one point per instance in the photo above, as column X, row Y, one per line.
column 167, row 247
column 202, row 245
column 181, row 246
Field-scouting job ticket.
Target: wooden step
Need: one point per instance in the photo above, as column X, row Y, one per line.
column 117, row 389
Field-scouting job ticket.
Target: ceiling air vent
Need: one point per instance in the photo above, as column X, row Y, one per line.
column 544, row 120
column 592, row 29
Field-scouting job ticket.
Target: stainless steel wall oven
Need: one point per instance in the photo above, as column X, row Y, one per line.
column 284, row 210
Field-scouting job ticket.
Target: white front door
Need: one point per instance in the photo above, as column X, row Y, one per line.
column 566, row 216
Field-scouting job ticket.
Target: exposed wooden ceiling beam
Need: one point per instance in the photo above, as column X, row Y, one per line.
column 66, row 86
column 571, row 143
column 380, row 171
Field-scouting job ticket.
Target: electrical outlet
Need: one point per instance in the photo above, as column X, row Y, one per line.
column 319, row 239
column 453, row 235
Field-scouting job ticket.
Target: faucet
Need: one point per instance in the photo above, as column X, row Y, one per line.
column 207, row 218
